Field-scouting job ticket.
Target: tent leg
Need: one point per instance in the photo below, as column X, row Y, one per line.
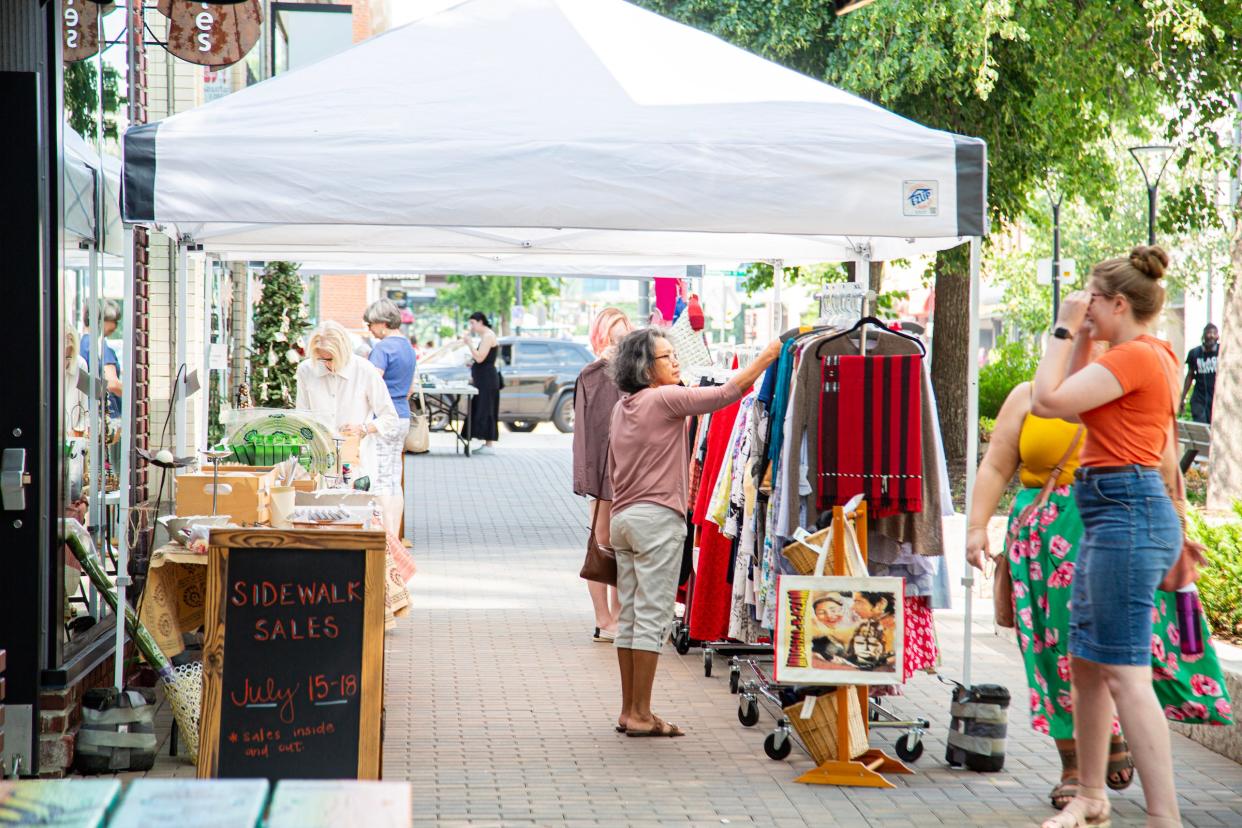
column 127, row 453
column 778, row 277
column 972, row 440
column 180, row 305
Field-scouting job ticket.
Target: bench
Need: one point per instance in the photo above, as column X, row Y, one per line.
column 1196, row 439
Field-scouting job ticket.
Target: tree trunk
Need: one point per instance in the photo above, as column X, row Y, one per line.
column 1225, row 475
column 950, row 345
column 876, row 277
column 875, row 280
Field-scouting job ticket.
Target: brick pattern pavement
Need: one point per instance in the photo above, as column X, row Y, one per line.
column 500, row 707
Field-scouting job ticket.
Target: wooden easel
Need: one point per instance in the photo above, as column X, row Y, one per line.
column 863, row 772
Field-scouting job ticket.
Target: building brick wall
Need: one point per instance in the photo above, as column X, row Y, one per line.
column 60, row 718
column 343, row 299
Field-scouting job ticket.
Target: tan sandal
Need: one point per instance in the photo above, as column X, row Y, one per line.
column 1084, row 811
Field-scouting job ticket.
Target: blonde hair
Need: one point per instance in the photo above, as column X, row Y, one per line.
column 601, row 328
column 1136, row 277
column 333, row 338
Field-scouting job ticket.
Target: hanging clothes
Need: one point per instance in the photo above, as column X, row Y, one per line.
column 709, row 609
column 923, row 530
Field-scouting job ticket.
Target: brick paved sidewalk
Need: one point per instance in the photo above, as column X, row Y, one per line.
column 500, row 707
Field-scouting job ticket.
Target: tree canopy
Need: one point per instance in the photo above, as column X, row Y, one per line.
column 495, row 295
column 1047, row 84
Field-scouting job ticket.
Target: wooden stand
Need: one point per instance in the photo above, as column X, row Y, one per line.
column 863, row 772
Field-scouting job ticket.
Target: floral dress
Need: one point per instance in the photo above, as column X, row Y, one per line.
column 1041, row 563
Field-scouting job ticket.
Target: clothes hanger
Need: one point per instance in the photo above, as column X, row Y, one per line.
column 871, row 320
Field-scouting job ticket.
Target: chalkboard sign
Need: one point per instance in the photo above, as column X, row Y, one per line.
column 293, row 661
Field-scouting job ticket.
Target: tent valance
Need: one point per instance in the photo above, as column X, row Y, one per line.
column 610, row 130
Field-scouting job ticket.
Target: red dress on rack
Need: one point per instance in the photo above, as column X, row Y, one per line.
column 713, row 594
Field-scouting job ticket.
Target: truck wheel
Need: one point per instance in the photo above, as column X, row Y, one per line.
column 563, row 416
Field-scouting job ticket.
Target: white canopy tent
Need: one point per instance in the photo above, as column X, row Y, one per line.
column 514, row 136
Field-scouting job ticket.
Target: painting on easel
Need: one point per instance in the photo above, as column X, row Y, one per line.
column 839, row 630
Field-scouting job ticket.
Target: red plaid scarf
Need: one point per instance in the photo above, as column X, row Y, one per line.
column 871, row 433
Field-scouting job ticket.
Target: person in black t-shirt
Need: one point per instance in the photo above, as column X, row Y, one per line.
column 1201, row 372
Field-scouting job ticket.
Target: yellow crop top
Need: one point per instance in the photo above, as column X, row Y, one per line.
column 1042, row 443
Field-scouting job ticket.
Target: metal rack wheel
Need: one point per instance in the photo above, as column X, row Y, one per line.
column 735, row 677
column 748, row 710
column 707, row 662
column 778, row 745
column 909, row 747
column 682, row 640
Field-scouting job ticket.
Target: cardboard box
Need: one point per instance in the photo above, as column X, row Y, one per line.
column 244, row 496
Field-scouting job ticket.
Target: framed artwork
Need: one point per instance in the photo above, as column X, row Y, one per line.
column 839, row 630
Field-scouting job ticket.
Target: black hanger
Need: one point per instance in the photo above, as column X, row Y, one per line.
column 871, row 320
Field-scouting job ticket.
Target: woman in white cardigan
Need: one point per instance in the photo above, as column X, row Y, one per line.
column 345, row 391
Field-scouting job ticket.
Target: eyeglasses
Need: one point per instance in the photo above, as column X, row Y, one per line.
column 1101, row 295
column 671, row 357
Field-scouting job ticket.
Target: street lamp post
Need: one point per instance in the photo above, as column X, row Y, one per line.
column 1152, row 159
column 1054, row 199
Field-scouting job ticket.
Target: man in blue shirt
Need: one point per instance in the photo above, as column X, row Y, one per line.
column 111, row 363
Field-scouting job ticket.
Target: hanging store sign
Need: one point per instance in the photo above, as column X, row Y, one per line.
column 211, row 34
column 79, row 28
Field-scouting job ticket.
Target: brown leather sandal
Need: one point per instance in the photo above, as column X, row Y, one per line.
column 1120, row 765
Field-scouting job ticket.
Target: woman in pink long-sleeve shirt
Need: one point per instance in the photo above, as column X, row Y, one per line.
column 649, row 461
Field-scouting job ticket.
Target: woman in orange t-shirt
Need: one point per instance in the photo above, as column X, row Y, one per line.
column 1131, row 531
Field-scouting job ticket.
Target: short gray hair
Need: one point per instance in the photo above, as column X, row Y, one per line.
column 635, row 357
column 108, row 312
column 383, row 311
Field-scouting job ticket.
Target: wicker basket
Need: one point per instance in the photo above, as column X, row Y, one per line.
column 819, row 732
column 802, row 558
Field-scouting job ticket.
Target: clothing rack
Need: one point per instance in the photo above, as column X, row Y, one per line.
column 866, row 770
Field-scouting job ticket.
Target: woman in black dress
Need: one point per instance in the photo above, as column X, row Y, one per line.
column 484, row 406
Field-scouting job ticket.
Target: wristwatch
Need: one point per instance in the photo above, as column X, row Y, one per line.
column 1062, row 332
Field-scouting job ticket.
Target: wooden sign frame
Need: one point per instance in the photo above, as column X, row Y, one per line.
column 371, row 678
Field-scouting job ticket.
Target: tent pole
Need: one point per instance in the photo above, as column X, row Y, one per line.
column 180, row 304
column 127, row 452
column 778, row 277
column 972, row 440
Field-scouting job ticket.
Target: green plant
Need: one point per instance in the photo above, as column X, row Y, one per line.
column 279, row 322
column 1012, row 363
column 1220, row 582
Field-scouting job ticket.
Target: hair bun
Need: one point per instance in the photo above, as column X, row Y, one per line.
column 1151, row 260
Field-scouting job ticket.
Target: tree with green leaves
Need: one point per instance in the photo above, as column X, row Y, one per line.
column 279, row 322
column 1046, row 84
column 82, row 98
column 494, row 296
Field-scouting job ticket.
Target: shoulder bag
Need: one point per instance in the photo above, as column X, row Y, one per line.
column 418, row 438
column 601, row 561
column 1002, row 580
column 1185, row 570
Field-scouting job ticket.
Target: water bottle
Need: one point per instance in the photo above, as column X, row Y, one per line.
column 345, row 474
column 1189, row 620
column 377, row 517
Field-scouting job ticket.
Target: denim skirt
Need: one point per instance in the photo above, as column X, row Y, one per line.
column 1131, row 537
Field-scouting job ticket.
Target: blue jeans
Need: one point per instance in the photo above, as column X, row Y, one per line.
column 1131, row 538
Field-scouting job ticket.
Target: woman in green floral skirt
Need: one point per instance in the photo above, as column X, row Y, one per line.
column 1042, row 548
